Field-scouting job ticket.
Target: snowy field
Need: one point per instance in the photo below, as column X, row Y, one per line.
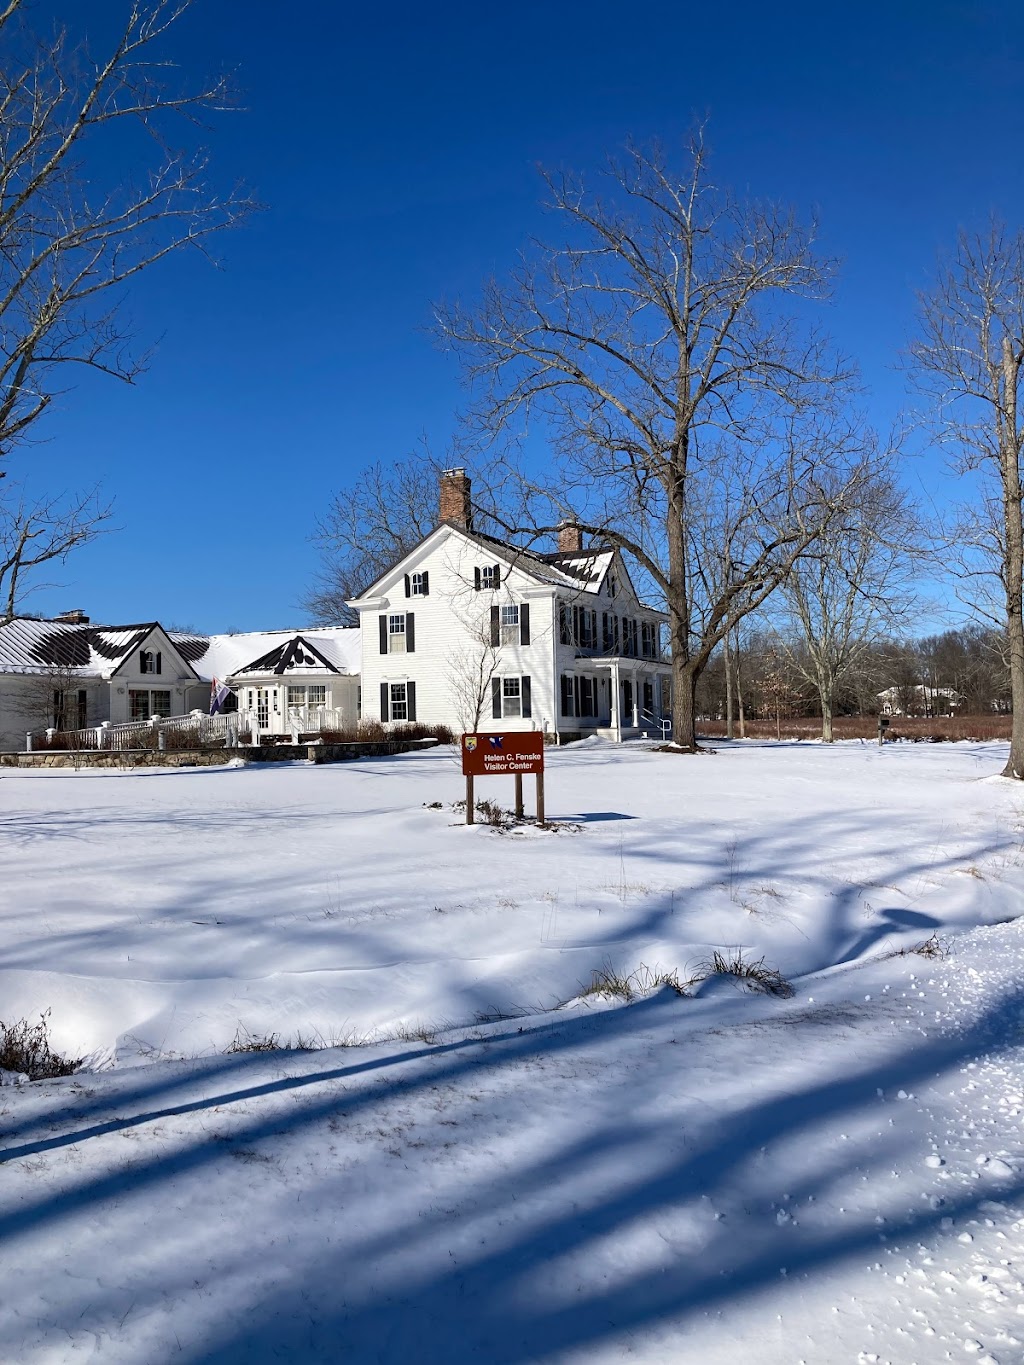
column 504, row 1170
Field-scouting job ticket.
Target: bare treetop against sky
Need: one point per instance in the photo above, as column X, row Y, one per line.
column 396, row 154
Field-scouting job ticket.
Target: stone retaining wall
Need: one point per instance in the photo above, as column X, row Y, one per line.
column 208, row 758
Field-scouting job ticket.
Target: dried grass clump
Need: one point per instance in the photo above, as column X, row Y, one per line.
column 607, row 980
column 756, row 976
column 25, row 1048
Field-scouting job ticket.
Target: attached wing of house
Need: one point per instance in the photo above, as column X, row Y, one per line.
column 67, row 674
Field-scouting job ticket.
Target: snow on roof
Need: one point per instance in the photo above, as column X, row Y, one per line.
column 223, row 656
column 31, row 645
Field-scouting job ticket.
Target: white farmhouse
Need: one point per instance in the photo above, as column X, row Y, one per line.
column 470, row 632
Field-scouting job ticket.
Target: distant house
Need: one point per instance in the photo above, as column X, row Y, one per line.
column 919, row 700
column 473, row 633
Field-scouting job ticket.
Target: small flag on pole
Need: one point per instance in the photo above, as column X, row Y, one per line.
column 219, row 693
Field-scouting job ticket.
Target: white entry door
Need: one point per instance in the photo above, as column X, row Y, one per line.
column 263, row 708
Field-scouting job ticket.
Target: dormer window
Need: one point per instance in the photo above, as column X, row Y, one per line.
column 417, row 584
column 149, row 661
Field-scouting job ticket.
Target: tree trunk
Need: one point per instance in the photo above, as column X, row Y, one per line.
column 1014, row 566
column 684, row 704
column 739, row 688
column 826, row 698
column 727, row 656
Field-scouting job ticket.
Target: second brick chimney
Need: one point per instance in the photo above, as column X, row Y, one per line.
column 570, row 538
column 455, row 504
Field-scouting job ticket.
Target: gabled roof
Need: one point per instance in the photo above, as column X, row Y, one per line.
column 582, row 572
column 272, row 651
column 32, row 645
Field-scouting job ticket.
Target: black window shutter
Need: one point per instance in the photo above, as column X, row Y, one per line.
column 566, row 695
column 524, row 684
column 410, row 700
column 476, row 578
column 524, row 625
column 410, row 632
column 158, row 669
column 425, row 589
column 408, row 586
column 497, row 576
column 496, row 698
column 576, row 694
column 385, row 709
column 382, row 621
column 495, row 626
column 563, row 623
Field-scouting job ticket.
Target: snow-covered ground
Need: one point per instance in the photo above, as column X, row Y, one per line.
column 836, row 1176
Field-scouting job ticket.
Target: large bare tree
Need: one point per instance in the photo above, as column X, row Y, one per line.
column 664, row 353
column 969, row 356
column 368, row 526
column 94, row 188
column 853, row 586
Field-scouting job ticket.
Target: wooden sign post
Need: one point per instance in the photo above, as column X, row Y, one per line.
column 492, row 755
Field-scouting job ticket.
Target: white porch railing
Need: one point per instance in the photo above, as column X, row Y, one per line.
column 143, row 734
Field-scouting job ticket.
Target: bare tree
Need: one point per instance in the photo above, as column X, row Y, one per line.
column 661, row 351
column 76, row 226
column 368, row 527
column 470, row 670
column 968, row 357
column 41, row 531
column 853, row 585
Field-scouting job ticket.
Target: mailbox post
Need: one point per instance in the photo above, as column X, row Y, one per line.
column 883, row 725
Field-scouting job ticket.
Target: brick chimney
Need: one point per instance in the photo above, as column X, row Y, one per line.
column 570, row 538
column 75, row 617
column 455, row 504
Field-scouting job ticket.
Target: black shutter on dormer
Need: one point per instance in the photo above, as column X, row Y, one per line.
column 476, row 577
column 382, row 621
column 524, row 624
column 496, row 698
column 410, row 700
column 495, row 627
column 497, row 576
column 385, row 710
column 158, row 669
column 425, row 585
column 524, row 685
column 408, row 586
column 410, row 632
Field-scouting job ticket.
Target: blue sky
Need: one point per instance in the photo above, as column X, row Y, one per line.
column 395, row 150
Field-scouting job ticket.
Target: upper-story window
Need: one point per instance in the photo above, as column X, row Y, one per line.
column 487, row 576
column 149, row 661
column 396, row 632
column 649, row 641
column 417, row 584
column 510, row 625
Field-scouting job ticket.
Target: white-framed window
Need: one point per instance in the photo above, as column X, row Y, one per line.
column 396, row 633
column 511, row 697
column 296, row 696
column 488, row 576
column 142, row 703
column 316, row 694
column 149, row 661
column 418, row 584
column 510, row 626
column 399, row 701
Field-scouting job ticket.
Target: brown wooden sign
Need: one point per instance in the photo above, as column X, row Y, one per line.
column 492, row 755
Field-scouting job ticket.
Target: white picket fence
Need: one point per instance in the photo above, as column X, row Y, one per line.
column 140, row 734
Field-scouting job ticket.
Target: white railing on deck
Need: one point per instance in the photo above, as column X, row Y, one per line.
column 140, row 734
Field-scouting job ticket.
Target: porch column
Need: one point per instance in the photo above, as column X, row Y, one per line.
column 616, row 700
